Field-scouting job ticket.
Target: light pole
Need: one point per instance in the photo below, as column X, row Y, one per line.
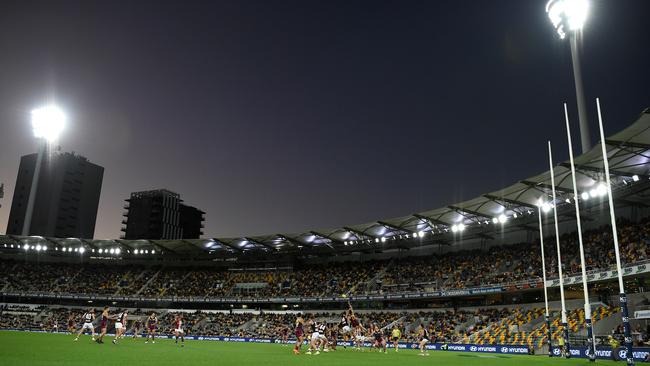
column 47, row 124
column 568, row 17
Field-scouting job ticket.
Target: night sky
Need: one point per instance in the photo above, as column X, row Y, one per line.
column 284, row 116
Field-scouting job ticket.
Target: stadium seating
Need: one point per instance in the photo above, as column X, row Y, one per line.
column 500, row 265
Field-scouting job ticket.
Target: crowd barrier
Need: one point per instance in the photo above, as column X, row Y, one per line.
column 639, row 353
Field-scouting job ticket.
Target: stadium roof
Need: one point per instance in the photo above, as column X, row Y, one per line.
column 628, row 151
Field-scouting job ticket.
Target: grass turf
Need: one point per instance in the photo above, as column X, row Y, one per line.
column 23, row 348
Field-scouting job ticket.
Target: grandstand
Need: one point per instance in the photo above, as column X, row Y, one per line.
column 470, row 272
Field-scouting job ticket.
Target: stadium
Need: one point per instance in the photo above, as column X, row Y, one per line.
column 550, row 269
column 470, row 272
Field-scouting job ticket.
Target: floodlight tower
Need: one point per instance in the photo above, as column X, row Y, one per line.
column 568, row 17
column 47, row 124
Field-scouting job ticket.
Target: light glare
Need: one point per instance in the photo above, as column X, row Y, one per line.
column 48, row 122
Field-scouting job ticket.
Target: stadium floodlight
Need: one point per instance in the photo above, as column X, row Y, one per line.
column 118, row 251
column 503, row 218
column 153, row 251
column 461, row 227
column 454, row 228
column 635, row 178
column 593, row 193
column 112, row 251
column 38, row 248
column 495, row 220
column 82, row 250
column 44, row 247
column 26, row 247
column 47, row 124
column 422, row 233
column 101, row 251
column 569, row 17
column 383, row 239
column 585, row 195
column 601, row 189
column 515, row 215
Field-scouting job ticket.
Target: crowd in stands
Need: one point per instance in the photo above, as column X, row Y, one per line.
column 462, row 269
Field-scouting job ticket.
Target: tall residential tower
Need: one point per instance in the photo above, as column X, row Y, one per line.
column 66, row 200
column 160, row 214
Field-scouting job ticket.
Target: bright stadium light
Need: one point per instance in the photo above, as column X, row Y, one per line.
column 422, row 233
column 48, row 122
column 118, row 251
column 461, row 227
column 100, row 251
column 82, row 250
column 112, row 251
column 454, row 228
column 26, row 247
column 567, row 15
column 593, row 193
column 568, row 18
column 153, row 251
column 38, row 248
column 635, row 178
column 585, row 196
column 503, row 218
column 383, row 239
column 495, row 220
column 45, row 248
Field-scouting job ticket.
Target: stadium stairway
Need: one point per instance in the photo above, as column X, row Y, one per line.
column 148, row 282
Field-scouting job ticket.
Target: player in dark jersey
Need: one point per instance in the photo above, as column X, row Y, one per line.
column 284, row 335
column 71, row 324
column 152, row 324
column 300, row 334
column 120, row 325
column 378, row 336
column 312, row 328
column 333, row 336
column 424, row 339
column 88, row 317
column 136, row 328
column 103, row 325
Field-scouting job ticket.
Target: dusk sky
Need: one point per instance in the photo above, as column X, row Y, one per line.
column 285, row 116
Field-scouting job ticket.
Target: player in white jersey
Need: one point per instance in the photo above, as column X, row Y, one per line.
column 120, row 325
column 178, row 329
column 87, row 319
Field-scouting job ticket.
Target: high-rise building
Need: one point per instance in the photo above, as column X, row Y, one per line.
column 66, row 199
column 160, row 214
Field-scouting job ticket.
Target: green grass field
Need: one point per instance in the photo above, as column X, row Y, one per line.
column 22, row 348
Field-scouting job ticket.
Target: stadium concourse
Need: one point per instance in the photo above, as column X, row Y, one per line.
column 466, row 277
